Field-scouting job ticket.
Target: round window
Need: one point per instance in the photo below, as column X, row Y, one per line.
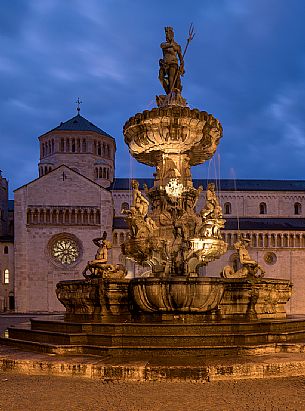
column 270, row 258
column 65, row 249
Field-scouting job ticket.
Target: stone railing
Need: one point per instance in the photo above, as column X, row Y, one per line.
column 57, row 215
column 267, row 239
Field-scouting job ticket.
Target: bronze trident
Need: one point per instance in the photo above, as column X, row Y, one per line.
column 189, row 39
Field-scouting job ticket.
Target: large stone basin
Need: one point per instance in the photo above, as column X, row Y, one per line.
column 172, row 130
column 176, row 295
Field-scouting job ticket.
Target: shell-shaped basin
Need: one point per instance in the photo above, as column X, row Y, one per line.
column 177, row 295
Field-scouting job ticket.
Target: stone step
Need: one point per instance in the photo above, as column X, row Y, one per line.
column 131, row 340
column 164, row 328
column 146, row 352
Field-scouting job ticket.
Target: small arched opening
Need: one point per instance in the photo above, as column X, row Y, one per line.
column 263, row 208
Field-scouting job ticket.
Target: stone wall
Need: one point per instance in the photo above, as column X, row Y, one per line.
column 37, row 270
column 3, row 206
column 7, row 300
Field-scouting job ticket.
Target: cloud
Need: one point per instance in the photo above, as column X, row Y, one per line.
column 245, row 65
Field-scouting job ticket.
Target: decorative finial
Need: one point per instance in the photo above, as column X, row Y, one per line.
column 78, row 102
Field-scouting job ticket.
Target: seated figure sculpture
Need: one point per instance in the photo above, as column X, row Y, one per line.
column 98, row 268
column 249, row 267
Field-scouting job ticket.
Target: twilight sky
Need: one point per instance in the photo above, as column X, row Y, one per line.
column 246, row 66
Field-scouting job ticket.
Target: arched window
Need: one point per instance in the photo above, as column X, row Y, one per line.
column 5, row 250
column 84, row 146
column 98, row 217
column 227, row 208
column 6, row 276
column 104, row 172
column 78, row 145
column 103, row 149
column 60, row 216
column 297, row 208
column 124, row 206
column 263, row 208
column 96, row 172
column 73, row 145
column 49, row 147
column 43, row 151
column 67, row 145
column 100, row 173
column 99, row 149
column 62, row 145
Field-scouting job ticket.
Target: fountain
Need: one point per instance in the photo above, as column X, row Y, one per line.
column 172, row 308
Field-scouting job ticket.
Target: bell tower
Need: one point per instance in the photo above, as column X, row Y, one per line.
column 80, row 145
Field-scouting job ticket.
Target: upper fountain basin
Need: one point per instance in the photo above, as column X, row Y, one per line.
column 172, row 130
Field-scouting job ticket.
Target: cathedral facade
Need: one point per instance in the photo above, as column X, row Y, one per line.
column 77, row 198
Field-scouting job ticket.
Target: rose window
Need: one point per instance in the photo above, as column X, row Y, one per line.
column 65, row 251
column 270, row 258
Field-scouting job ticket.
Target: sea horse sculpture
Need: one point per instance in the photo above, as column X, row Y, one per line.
column 249, row 267
column 99, row 268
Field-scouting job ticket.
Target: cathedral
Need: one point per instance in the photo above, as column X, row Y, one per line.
column 46, row 233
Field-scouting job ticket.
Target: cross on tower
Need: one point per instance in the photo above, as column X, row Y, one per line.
column 78, row 102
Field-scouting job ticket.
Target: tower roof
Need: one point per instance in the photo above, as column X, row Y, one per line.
column 79, row 123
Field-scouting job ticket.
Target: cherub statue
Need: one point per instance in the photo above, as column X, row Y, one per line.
column 250, row 268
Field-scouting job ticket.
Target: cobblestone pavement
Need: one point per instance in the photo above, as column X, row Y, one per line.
column 47, row 393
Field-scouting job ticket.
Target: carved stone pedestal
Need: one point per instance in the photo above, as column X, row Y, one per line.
column 94, row 299
column 251, row 300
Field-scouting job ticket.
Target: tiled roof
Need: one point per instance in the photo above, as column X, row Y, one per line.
column 296, row 224
column 125, row 183
column 119, row 222
column 80, row 123
column 225, row 184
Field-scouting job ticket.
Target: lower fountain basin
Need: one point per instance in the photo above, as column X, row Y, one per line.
column 176, row 295
column 213, row 298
